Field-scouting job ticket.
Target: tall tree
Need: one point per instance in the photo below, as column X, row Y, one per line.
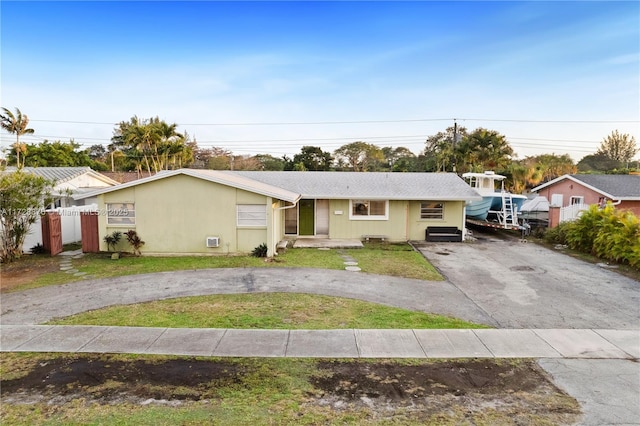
column 312, row 158
column 599, row 163
column 16, row 124
column 533, row 170
column 440, row 152
column 399, row 159
column 360, row 156
column 269, row 162
column 98, row 153
column 22, row 197
column 619, row 147
column 57, row 154
column 484, row 150
column 152, row 143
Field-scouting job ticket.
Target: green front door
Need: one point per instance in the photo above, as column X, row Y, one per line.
column 307, row 213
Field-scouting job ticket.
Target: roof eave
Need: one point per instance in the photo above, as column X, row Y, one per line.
column 429, row 198
column 281, row 195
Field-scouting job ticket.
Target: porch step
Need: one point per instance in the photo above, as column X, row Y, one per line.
column 326, row 242
column 282, row 246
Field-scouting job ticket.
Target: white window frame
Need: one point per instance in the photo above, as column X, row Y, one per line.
column 434, row 210
column 251, row 215
column 121, row 214
column 576, row 200
column 557, row 200
column 368, row 216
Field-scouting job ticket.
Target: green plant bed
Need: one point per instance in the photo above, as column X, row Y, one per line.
column 264, row 310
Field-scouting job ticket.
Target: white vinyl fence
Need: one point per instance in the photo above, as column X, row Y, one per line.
column 69, row 222
column 572, row 212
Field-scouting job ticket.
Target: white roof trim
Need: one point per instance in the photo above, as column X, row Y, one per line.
column 209, row 175
column 100, row 176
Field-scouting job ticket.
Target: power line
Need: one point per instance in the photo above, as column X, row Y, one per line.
column 418, row 138
column 308, row 123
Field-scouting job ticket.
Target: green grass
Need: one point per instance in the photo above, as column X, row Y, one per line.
column 263, row 310
column 399, row 260
column 384, row 259
column 254, row 391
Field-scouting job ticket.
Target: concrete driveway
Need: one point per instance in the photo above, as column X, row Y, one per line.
column 502, row 283
column 43, row 304
column 524, row 285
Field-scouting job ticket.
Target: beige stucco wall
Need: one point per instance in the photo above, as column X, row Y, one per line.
column 176, row 214
column 453, row 216
column 403, row 222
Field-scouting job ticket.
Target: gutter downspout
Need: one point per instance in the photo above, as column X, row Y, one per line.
column 295, row 204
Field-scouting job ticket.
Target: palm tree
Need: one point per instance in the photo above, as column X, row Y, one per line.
column 16, row 124
column 485, row 150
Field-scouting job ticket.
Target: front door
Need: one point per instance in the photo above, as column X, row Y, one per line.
column 322, row 217
column 307, row 214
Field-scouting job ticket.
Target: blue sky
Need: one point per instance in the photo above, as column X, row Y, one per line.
column 551, row 76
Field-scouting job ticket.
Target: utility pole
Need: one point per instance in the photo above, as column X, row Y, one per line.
column 455, row 139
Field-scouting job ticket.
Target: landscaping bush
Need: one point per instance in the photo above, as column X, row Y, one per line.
column 557, row 235
column 260, row 251
column 38, row 249
column 618, row 238
column 112, row 240
column 135, row 241
column 581, row 234
column 608, row 233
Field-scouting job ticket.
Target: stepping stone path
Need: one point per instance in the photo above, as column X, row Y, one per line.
column 66, row 263
column 350, row 263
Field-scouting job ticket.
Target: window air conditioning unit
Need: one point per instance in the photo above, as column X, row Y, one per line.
column 213, row 241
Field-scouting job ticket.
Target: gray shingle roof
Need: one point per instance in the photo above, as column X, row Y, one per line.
column 289, row 186
column 618, row 186
column 233, row 180
column 350, row 185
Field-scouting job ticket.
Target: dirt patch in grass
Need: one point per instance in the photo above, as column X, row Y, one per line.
column 26, row 270
column 447, row 391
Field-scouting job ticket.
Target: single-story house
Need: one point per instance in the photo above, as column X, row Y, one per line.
column 70, row 181
column 191, row 211
column 621, row 190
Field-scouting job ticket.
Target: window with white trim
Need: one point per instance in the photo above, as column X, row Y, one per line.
column 121, row 214
column 252, row 214
column 575, row 199
column 432, row 210
column 369, row 209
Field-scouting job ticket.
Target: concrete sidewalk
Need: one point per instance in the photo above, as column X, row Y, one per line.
column 350, row 343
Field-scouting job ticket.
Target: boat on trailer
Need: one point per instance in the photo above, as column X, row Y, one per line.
column 498, row 208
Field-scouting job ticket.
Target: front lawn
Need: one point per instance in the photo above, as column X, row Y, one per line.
column 263, row 310
column 384, row 259
column 94, row 389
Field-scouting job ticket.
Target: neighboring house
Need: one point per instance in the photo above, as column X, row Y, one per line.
column 621, row 190
column 70, row 181
column 125, row 177
column 186, row 210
